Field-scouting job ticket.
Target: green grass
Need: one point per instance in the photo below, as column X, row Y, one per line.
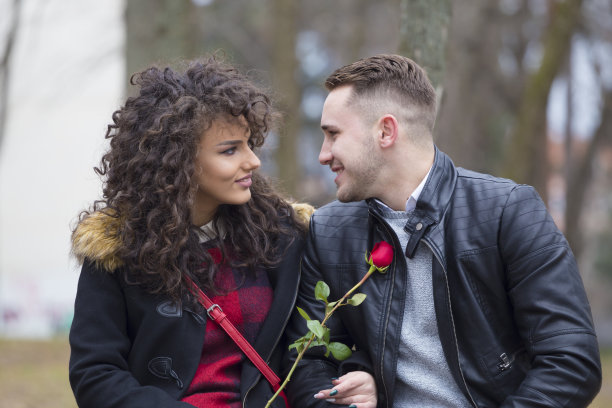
column 35, row 374
column 604, row 398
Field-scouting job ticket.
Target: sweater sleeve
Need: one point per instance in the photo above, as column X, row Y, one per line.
column 99, row 369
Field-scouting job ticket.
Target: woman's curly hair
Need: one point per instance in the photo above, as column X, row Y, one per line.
column 149, row 181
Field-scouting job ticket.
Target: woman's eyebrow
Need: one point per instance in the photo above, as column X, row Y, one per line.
column 230, row 142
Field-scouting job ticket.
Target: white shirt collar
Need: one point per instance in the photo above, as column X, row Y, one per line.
column 414, row 197
column 206, row 232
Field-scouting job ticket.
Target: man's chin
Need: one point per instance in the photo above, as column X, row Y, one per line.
column 347, row 196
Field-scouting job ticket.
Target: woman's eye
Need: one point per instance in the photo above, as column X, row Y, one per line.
column 229, row 151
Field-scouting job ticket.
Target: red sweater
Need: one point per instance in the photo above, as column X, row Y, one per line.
column 246, row 301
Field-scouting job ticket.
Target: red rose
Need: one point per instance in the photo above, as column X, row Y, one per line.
column 379, row 260
column 382, row 255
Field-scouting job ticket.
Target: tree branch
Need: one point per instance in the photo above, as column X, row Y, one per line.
column 5, row 66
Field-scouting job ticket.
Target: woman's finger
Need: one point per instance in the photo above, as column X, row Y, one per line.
column 355, row 389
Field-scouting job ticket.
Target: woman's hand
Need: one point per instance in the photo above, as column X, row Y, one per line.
column 356, row 389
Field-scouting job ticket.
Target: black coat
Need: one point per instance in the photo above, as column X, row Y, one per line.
column 512, row 313
column 136, row 350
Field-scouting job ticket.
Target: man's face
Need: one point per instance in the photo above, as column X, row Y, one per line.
column 349, row 147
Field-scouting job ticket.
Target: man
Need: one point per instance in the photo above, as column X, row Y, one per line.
column 482, row 306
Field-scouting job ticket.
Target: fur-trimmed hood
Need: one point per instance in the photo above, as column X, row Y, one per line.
column 97, row 237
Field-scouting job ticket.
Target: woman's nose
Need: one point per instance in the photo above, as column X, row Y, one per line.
column 252, row 161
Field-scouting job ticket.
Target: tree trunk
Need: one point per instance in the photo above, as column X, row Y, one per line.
column 423, row 33
column 477, row 105
column 526, row 161
column 578, row 182
column 285, row 80
column 160, row 31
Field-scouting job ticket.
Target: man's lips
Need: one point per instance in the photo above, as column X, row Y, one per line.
column 245, row 181
column 338, row 170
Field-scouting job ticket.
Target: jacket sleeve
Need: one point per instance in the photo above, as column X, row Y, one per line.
column 315, row 371
column 551, row 309
column 100, row 345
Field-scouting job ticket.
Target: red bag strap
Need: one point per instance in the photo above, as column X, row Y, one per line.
column 215, row 313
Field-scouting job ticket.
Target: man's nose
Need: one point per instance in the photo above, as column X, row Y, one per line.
column 325, row 155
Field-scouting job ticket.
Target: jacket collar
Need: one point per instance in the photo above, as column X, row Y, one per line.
column 436, row 193
column 285, row 279
column 432, row 203
column 438, row 189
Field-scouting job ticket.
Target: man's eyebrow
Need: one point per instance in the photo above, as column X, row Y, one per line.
column 327, row 127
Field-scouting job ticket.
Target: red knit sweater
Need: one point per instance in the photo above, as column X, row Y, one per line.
column 246, row 301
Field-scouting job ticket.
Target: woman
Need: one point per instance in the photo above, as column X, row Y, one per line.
column 182, row 203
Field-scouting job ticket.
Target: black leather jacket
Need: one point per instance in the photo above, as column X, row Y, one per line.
column 513, row 316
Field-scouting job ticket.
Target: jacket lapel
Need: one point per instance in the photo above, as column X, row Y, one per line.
column 285, row 280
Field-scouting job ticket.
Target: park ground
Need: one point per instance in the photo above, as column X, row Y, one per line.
column 35, row 374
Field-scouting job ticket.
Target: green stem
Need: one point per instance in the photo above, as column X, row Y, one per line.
column 284, row 384
column 327, row 316
column 354, row 288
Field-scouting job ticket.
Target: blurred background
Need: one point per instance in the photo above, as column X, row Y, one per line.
column 525, row 92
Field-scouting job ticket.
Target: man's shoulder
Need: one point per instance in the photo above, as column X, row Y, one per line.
column 479, row 196
column 336, row 208
column 471, row 176
column 339, row 232
column 336, row 213
column 484, row 184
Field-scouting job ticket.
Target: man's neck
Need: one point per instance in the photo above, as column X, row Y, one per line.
column 399, row 186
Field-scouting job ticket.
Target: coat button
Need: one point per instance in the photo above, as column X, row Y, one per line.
column 419, row 226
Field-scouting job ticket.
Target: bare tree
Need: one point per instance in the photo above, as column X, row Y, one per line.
column 579, row 179
column 5, row 62
column 526, row 158
column 480, row 98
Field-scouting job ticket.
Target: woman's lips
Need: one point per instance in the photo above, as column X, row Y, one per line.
column 245, row 182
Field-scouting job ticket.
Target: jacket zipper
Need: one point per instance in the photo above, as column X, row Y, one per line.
column 507, row 360
column 506, row 363
column 430, row 246
column 288, row 315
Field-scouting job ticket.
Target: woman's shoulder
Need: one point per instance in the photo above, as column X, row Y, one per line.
column 303, row 212
column 96, row 239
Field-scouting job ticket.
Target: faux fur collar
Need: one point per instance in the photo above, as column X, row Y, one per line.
column 97, row 237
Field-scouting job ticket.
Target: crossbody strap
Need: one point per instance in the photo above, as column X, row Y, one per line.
column 215, row 313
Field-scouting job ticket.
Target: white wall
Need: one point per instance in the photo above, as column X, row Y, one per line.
column 66, row 80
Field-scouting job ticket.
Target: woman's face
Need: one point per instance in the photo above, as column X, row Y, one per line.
column 223, row 168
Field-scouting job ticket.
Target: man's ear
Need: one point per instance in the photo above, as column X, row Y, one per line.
column 388, row 131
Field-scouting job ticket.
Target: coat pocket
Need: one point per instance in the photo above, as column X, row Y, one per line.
column 506, row 370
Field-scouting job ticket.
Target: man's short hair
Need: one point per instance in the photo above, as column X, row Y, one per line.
column 386, row 78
